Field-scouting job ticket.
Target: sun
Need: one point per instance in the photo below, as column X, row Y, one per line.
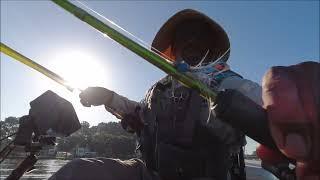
column 79, row 68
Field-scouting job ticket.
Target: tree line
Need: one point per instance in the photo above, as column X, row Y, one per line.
column 106, row 139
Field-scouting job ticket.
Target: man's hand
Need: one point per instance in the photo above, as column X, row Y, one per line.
column 291, row 96
column 95, row 96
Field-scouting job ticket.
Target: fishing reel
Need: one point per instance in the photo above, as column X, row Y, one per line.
column 50, row 116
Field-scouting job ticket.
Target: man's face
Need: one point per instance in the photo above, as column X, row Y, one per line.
column 192, row 41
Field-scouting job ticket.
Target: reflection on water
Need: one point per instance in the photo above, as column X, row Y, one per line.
column 44, row 168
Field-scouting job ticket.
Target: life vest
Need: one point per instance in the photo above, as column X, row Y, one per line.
column 175, row 142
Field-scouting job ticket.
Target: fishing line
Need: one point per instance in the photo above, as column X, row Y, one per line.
column 141, row 42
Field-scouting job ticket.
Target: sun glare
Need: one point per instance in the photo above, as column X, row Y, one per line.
column 80, row 69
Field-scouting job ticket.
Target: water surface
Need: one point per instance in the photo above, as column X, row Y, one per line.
column 44, row 168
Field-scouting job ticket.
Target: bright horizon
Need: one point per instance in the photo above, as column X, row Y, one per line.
column 262, row 34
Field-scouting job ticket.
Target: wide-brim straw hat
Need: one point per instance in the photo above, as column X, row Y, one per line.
column 163, row 40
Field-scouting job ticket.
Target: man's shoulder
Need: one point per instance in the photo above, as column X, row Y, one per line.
column 162, row 83
column 165, row 80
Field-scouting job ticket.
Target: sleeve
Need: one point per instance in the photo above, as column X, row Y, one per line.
column 120, row 105
column 225, row 132
column 126, row 110
column 246, row 87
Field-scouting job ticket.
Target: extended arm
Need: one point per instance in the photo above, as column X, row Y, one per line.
column 223, row 130
column 120, row 106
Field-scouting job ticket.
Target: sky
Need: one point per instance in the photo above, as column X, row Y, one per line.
column 262, row 34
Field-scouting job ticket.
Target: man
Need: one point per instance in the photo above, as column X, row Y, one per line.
column 180, row 138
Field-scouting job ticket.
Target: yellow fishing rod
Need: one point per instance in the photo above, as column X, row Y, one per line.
column 32, row 64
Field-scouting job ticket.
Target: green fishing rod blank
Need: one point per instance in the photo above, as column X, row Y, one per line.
column 143, row 52
column 32, row 64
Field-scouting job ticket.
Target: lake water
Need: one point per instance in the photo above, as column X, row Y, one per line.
column 44, row 168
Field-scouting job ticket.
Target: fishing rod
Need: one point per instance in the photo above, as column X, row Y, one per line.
column 32, row 64
column 138, row 49
column 231, row 106
column 43, row 70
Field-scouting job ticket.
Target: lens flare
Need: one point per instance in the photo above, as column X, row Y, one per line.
column 80, row 69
